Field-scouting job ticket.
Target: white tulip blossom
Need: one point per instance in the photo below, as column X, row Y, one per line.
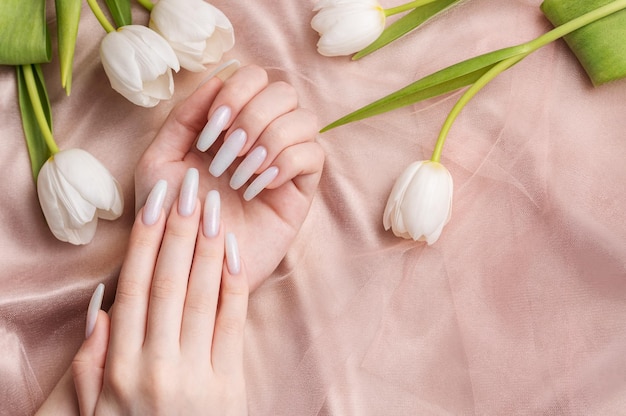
column 420, row 203
column 347, row 26
column 198, row 32
column 139, row 63
column 74, row 190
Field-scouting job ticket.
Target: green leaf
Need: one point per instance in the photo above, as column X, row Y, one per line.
column 405, row 25
column 68, row 16
column 24, row 37
column 120, row 10
column 37, row 148
column 446, row 80
column 599, row 46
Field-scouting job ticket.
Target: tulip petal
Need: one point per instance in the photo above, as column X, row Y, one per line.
column 115, row 210
column 426, row 205
column 392, row 209
column 118, row 59
column 91, row 180
column 347, row 28
column 197, row 31
column 54, row 204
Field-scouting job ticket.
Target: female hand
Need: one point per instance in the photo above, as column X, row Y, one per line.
column 272, row 142
column 173, row 347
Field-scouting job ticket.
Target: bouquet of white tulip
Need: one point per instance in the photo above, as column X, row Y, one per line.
column 74, row 188
column 420, row 202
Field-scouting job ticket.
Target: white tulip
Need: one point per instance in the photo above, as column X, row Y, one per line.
column 139, row 63
column 420, row 203
column 198, row 32
column 74, row 190
column 347, row 26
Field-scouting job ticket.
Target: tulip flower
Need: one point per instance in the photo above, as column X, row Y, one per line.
column 198, row 32
column 347, row 26
column 139, row 63
column 420, row 203
column 74, row 190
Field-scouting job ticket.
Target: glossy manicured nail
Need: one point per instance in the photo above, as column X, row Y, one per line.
column 154, row 203
column 232, row 254
column 211, row 215
column 260, row 183
column 213, row 128
column 188, row 193
column 92, row 311
column 248, row 166
column 223, row 71
column 228, row 152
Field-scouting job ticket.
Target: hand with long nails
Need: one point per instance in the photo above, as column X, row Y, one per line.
column 172, row 342
column 249, row 140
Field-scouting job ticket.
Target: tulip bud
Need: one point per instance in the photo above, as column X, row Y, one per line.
column 74, row 190
column 420, row 203
column 198, row 32
column 347, row 26
column 139, row 63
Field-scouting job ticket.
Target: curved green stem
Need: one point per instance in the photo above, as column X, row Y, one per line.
column 31, row 87
column 147, row 4
column 408, row 6
column 97, row 11
column 526, row 49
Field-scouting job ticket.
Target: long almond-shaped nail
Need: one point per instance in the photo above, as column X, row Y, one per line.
column 248, row 166
column 188, row 193
column 95, row 303
column 260, row 183
column 154, row 203
column 214, row 127
column 211, row 215
column 228, row 152
column 233, row 261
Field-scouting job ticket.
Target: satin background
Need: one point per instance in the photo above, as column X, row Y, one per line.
column 518, row 309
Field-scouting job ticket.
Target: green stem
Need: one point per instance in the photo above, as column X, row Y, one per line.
column 527, row 49
column 97, row 11
column 408, row 6
column 31, row 87
column 147, row 4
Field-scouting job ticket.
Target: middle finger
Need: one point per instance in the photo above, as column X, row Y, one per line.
column 169, row 285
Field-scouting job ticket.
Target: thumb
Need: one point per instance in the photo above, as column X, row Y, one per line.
column 88, row 364
column 184, row 123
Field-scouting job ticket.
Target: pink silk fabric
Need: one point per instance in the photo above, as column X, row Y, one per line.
column 518, row 309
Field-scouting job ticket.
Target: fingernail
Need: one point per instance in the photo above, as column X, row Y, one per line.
column 211, row 215
column 232, row 254
column 248, row 166
column 260, row 183
column 223, row 71
column 213, row 128
column 188, row 193
column 228, row 152
column 154, row 203
column 92, row 311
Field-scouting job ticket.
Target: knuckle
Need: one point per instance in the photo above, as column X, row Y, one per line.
column 286, row 91
column 200, row 304
column 256, row 116
column 230, row 326
column 163, row 287
column 128, row 291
